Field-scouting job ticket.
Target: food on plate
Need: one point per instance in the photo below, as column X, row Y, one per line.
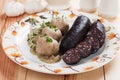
column 14, row 9
column 60, row 24
column 76, row 34
column 83, row 39
column 93, row 41
column 44, row 42
column 47, row 49
column 52, row 31
column 46, row 46
column 84, row 49
column 99, row 29
column 71, row 57
column 33, row 6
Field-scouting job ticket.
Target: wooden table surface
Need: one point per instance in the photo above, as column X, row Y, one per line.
column 11, row 71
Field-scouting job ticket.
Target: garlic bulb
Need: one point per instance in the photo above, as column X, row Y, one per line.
column 33, row 6
column 14, row 9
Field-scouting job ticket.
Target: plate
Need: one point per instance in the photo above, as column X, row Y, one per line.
column 15, row 45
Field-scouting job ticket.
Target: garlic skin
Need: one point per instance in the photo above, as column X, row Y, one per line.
column 33, row 6
column 14, row 9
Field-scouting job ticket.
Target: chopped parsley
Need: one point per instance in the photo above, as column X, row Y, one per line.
column 33, row 47
column 48, row 24
column 54, row 28
column 43, row 35
column 28, row 39
column 41, row 27
column 48, row 39
column 33, row 42
column 42, row 17
column 32, row 21
column 34, row 34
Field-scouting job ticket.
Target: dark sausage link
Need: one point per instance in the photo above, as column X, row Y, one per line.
column 76, row 34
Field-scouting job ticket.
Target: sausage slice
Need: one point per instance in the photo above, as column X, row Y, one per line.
column 84, row 49
column 70, row 57
column 93, row 40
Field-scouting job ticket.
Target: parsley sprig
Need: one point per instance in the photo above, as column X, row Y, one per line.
column 48, row 39
column 32, row 21
column 48, row 24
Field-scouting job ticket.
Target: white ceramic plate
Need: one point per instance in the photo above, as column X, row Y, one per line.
column 16, row 47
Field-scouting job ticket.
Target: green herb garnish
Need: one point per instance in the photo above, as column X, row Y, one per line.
column 41, row 27
column 48, row 39
column 43, row 35
column 54, row 28
column 28, row 39
column 32, row 21
column 33, row 42
column 34, row 48
column 42, row 17
column 34, row 34
column 47, row 24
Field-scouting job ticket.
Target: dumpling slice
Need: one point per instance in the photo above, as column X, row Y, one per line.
column 60, row 24
column 52, row 32
column 47, row 46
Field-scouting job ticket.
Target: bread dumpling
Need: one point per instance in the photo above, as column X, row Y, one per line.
column 60, row 24
column 47, row 46
column 54, row 33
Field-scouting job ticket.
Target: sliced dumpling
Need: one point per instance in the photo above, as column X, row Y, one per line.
column 52, row 32
column 60, row 24
column 47, row 46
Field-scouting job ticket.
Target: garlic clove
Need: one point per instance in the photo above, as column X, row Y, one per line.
column 14, row 9
column 33, row 6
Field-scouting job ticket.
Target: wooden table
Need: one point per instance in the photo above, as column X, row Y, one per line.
column 11, row 71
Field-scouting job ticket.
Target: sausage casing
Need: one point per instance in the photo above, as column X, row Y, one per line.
column 76, row 34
